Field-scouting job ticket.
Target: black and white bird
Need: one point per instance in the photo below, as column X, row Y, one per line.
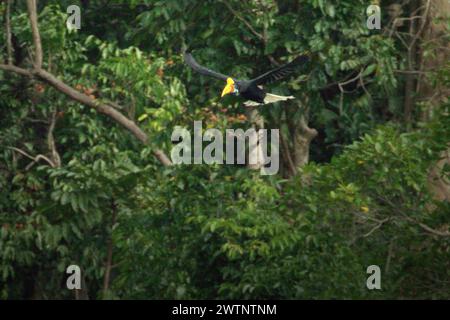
column 251, row 89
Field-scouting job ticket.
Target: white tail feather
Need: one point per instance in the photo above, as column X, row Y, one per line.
column 269, row 98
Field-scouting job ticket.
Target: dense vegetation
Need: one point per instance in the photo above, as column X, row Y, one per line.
column 364, row 153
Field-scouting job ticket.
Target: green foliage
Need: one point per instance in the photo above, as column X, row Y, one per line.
column 198, row 231
column 226, row 238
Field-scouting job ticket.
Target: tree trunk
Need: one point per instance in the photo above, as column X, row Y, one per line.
column 257, row 121
column 435, row 94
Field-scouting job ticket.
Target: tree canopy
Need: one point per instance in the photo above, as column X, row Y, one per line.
column 86, row 176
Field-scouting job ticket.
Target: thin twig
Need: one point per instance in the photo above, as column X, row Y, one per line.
column 376, row 227
column 249, row 26
column 420, row 224
column 342, row 84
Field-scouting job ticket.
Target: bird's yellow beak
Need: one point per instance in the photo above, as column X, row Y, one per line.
column 229, row 88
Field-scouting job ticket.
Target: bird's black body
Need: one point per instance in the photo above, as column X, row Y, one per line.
column 250, row 89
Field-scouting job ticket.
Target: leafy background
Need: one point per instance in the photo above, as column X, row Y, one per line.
column 139, row 230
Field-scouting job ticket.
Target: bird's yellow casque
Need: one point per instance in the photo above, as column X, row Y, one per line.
column 229, row 88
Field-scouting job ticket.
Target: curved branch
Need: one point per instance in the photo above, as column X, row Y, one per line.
column 35, row 159
column 62, row 87
column 102, row 108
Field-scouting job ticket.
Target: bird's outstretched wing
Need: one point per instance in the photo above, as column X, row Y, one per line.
column 189, row 59
column 280, row 72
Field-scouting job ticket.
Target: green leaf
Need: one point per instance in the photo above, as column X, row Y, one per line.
column 142, row 117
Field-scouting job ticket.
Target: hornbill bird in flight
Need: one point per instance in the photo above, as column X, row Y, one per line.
column 250, row 89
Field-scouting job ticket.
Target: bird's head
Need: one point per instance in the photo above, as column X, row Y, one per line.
column 230, row 88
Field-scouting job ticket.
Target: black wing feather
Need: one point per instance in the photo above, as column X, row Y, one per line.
column 280, row 72
column 189, row 59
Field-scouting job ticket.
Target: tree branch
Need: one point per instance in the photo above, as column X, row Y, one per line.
column 249, row 26
column 35, row 159
column 15, row 69
column 59, row 85
column 376, row 227
column 32, row 13
column 9, row 48
column 420, row 224
column 102, row 108
column 424, row 22
column 84, row 99
column 56, row 159
column 428, row 229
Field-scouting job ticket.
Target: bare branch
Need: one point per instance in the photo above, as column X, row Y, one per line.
column 9, row 47
column 32, row 12
column 378, row 226
column 15, row 69
column 342, row 84
column 411, row 72
column 59, row 85
column 51, row 141
column 420, row 224
column 35, row 159
column 84, row 99
column 422, row 26
column 102, row 108
column 428, row 228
